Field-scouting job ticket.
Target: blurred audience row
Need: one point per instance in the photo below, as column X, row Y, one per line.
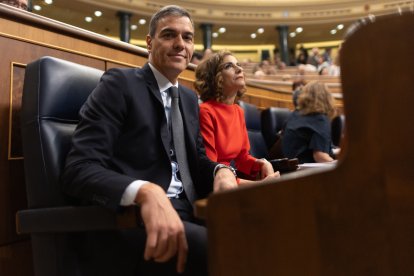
column 20, row 4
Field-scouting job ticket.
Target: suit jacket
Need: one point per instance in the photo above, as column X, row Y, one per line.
column 123, row 136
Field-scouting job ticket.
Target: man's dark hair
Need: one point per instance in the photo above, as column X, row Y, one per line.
column 170, row 10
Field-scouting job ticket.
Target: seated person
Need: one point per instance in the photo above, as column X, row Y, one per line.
column 220, row 82
column 264, row 69
column 196, row 58
column 307, row 134
column 275, row 152
column 125, row 152
column 21, row 4
column 296, row 90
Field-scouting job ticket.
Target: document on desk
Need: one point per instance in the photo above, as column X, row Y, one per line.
column 318, row 165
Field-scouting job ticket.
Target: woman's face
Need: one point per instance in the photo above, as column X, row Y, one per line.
column 233, row 76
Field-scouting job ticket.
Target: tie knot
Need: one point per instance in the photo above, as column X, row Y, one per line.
column 173, row 92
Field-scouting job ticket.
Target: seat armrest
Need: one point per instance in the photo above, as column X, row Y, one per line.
column 200, row 208
column 75, row 219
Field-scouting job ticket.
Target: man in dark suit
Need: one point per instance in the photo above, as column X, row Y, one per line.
column 122, row 154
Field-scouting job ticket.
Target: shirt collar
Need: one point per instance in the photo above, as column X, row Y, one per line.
column 163, row 82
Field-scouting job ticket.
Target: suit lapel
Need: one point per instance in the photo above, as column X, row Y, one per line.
column 152, row 83
column 154, row 90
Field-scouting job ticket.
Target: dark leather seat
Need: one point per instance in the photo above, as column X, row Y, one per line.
column 258, row 146
column 337, row 130
column 273, row 121
column 54, row 90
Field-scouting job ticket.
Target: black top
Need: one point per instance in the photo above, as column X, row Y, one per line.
column 304, row 134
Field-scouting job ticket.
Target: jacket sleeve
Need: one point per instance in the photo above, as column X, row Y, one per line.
column 205, row 166
column 87, row 174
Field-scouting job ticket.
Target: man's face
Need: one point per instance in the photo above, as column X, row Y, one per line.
column 172, row 46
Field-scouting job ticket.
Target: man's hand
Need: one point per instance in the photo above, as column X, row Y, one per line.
column 224, row 180
column 165, row 230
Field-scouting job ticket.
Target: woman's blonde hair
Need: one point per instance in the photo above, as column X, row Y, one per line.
column 209, row 80
column 316, row 98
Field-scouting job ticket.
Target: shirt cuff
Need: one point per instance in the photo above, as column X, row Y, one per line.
column 131, row 192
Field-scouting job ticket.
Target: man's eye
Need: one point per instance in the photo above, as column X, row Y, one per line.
column 188, row 38
column 168, row 35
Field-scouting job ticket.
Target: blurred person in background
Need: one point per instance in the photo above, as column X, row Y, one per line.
column 20, row 4
column 307, row 135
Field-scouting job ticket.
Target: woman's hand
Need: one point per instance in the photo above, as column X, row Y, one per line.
column 266, row 169
column 272, row 176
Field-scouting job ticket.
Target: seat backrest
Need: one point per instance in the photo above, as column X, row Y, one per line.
column 337, row 129
column 273, row 120
column 258, row 147
column 54, row 91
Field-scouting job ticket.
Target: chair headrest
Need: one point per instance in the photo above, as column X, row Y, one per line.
column 58, row 87
column 251, row 116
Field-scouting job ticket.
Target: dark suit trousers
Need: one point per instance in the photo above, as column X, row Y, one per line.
column 120, row 253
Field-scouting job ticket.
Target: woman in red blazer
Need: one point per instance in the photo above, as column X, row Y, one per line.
column 220, row 82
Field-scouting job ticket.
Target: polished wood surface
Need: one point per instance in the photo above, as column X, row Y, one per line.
column 355, row 219
column 264, row 95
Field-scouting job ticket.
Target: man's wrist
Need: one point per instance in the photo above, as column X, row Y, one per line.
column 222, row 166
column 130, row 193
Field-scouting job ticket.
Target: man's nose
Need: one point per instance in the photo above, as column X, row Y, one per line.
column 179, row 42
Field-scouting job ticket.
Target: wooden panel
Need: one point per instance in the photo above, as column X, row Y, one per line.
column 267, row 96
column 16, row 259
column 356, row 218
column 111, row 64
column 187, row 83
column 17, row 77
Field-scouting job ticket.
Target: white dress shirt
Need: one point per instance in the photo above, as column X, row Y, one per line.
column 176, row 186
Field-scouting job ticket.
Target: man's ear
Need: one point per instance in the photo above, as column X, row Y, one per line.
column 149, row 43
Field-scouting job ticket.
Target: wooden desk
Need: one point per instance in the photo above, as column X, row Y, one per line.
column 357, row 219
column 201, row 206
